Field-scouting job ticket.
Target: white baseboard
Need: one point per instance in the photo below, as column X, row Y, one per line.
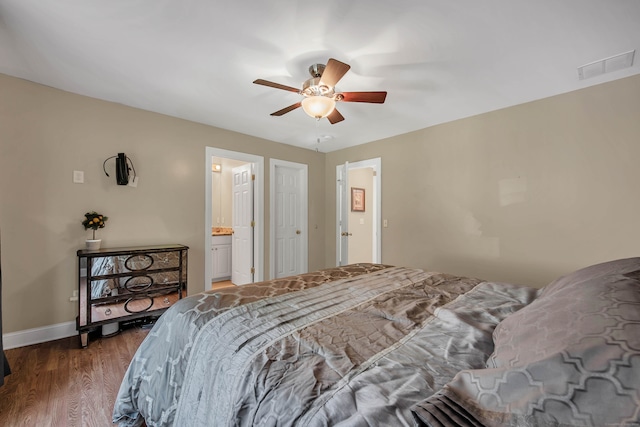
column 38, row 335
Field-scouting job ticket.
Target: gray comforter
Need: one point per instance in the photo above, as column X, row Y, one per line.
column 331, row 348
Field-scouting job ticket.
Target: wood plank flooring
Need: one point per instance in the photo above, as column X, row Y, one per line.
column 219, row 285
column 58, row 383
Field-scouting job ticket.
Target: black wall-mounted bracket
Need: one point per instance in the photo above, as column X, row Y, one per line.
column 122, row 168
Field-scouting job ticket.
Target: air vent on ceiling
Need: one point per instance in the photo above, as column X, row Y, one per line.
column 607, row 65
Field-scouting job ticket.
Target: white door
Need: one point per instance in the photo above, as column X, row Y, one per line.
column 242, row 223
column 289, row 218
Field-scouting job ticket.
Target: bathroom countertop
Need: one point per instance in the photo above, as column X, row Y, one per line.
column 221, row 231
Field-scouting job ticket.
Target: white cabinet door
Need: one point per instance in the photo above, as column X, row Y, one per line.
column 221, row 261
column 221, row 256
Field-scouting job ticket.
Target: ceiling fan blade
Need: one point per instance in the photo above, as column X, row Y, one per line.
column 373, row 97
column 333, row 72
column 287, row 109
column 276, row 85
column 335, row 116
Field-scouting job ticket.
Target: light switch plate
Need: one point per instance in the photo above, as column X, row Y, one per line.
column 78, row 177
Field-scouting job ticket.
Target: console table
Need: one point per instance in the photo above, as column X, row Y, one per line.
column 119, row 284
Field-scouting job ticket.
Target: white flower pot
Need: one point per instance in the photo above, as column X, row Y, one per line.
column 93, row 245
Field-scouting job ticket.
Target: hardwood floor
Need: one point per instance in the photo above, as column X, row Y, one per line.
column 223, row 284
column 58, row 383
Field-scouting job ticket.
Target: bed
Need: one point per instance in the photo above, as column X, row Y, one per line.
column 380, row 345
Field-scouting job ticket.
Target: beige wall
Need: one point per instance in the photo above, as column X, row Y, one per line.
column 522, row 194
column 46, row 134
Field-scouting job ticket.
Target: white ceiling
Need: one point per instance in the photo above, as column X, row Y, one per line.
column 439, row 60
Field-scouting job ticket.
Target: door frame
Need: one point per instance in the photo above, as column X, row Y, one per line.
column 304, row 212
column 341, row 197
column 258, row 210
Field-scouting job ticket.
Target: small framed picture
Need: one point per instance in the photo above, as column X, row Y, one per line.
column 357, row 199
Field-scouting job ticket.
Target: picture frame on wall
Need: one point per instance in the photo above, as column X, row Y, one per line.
column 357, row 199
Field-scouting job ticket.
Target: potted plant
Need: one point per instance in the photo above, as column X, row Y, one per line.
column 93, row 220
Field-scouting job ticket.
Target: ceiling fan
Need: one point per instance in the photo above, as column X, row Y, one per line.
column 320, row 94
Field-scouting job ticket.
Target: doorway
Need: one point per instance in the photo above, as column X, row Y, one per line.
column 223, row 217
column 358, row 212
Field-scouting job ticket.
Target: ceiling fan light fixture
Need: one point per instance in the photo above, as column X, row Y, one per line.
column 318, row 107
column 319, row 92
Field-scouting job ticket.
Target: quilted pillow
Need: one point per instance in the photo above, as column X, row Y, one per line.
column 570, row 358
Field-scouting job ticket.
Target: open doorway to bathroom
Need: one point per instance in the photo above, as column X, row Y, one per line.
column 358, row 212
column 234, row 218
